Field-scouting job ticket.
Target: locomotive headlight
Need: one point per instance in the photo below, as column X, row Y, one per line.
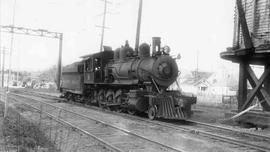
column 167, row 49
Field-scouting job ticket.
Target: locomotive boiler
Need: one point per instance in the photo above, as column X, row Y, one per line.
column 160, row 68
column 129, row 80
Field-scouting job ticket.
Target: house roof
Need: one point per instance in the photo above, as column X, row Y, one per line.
column 197, row 78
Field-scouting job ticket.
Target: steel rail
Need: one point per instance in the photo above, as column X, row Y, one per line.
column 102, row 122
column 229, row 129
column 218, row 137
column 59, row 120
column 191, row 121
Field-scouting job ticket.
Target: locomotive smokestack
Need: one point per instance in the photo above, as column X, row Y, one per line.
column 156, row 45
column 138, row 28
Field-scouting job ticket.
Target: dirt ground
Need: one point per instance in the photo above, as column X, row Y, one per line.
column 2, row 141
column 18, row 134
column 32, row 132
column 216, row 115
column 209, row 114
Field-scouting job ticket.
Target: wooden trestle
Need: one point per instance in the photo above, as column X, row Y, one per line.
column 246, row 53
column 260, row 87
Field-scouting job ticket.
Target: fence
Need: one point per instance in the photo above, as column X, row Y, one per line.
column 28, row 129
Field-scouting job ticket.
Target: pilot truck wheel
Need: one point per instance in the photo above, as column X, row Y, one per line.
column 152, row 112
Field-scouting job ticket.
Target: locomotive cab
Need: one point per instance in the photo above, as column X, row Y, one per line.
column 95, row 65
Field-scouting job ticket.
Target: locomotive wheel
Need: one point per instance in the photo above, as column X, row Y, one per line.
column 131, row 112
column 118, row 96
column 109, row 99
column 110, row 96
column 69, row 97
column 118, row 109
column 152, row 112
column 101, row 98
column 78, row 98
column 108, row 108
column 118, row 99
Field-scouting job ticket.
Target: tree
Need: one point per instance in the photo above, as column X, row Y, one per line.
column 48, row 75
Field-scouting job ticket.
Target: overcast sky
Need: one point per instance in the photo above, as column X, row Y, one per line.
column 203, row 27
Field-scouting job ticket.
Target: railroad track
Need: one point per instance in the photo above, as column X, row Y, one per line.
column 219, row 133
column 235, row 131
column 100, row 130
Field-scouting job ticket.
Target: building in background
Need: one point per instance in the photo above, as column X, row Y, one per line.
column 209, row 87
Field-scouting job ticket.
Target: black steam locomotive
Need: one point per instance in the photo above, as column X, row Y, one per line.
column 128, row 80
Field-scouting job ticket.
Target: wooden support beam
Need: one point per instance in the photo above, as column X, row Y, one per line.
column 242, row 86
column 266, row 106
column 252, row 94
column 243, row 23
column 262, row 93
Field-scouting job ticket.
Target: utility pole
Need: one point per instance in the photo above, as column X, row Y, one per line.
column 11, row 45
column 138, row 27
column 3, row 67
column 17, row 77
column 1, row 35
column 4, row 92
column 10, row 61
column 59, row 73
column 1, row 60
column 103, row 25
column 197, row 67
column 40, row 33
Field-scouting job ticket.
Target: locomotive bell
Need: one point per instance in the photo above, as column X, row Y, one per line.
column 116, row 54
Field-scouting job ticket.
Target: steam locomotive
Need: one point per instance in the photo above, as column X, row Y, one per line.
column 128, row 80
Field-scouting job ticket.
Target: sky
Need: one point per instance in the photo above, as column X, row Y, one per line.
column 197, row 29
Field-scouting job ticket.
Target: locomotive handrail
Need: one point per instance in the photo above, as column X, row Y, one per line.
column 151, row 75
column 153, row 81
column 118, row 74
column 123, row 60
